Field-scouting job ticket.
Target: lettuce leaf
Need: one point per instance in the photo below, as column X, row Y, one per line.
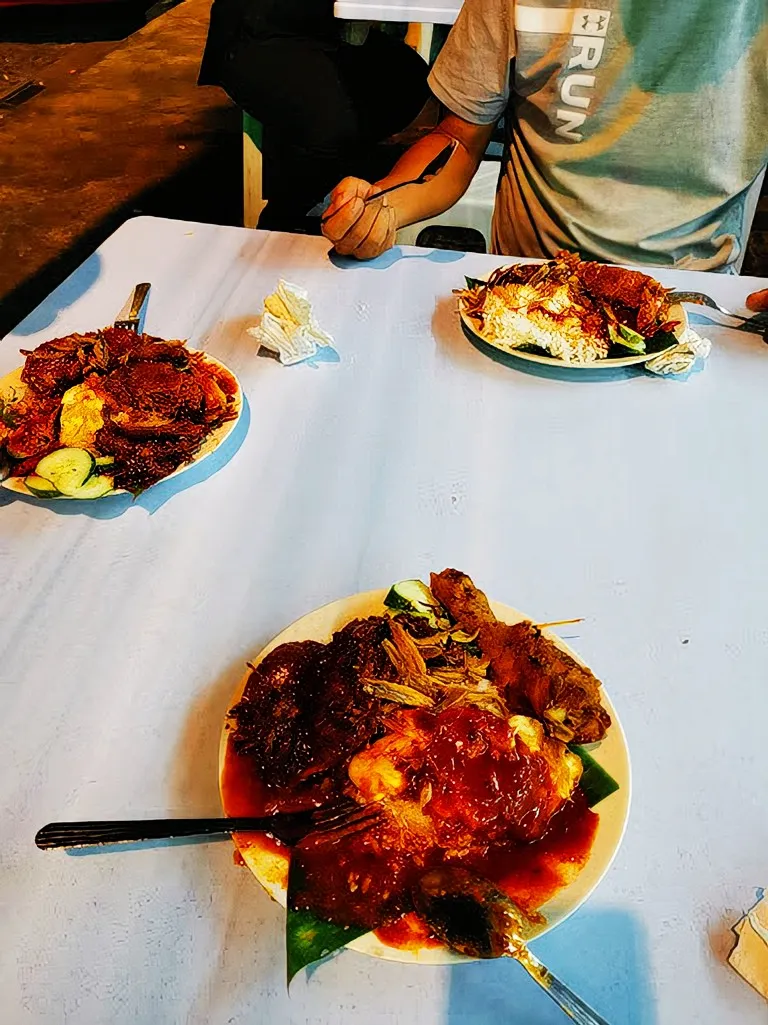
column 308, row 938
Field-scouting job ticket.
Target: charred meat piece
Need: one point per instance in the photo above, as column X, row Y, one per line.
column 532, row 673
column 143, row 460
column 157, row 415
column 120, row 346
column 54, row 366
column 150, row 395
column 305, row 710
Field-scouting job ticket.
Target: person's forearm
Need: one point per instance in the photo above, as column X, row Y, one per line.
column 415, row 203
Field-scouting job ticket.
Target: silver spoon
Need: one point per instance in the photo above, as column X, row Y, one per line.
column 475, row 918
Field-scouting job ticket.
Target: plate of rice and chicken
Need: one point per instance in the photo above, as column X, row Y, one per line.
column 572, row 312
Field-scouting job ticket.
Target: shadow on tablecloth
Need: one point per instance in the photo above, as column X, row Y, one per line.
column 393, row 256
column 602, row 953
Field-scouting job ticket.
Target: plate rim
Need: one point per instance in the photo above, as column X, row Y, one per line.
column 343, row 610
column 212, row 442
column 614, row 363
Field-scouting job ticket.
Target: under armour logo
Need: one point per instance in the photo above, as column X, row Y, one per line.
column 591, row 22
column 599, row 23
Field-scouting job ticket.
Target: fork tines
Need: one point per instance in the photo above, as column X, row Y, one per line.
column 346, row 820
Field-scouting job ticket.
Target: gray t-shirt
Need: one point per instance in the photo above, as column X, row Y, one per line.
column 637, row 131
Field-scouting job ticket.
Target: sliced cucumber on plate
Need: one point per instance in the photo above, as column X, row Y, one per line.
column 95, row 487
column 67, row 469
column 40, row 487
column 415, row 597
column 71, row 472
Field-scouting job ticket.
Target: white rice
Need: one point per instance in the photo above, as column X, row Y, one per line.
column 509, row 324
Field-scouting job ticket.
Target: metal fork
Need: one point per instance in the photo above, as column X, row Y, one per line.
column 129, row 317
column 757, row 323
column 340, row 819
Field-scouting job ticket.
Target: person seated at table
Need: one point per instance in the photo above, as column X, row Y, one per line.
column 635, row 131
column 326, row 92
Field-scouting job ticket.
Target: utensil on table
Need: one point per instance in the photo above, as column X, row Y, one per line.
column 289, row 827
column 756, row 323
column 434, row 167
column 475, row 918
column 129, row 317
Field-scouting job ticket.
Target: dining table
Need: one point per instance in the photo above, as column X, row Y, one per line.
column 633, row 502
column 433, row 12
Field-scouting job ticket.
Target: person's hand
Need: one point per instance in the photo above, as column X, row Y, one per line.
column 359, row 229
column 758, row 301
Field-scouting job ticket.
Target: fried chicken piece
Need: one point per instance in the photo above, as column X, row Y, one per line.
column 305, row 709
column 619, row 287
column 561, row 692
column 534, row 675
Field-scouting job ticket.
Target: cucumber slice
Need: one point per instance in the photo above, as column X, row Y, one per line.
column 596, row 783
column 95, row 487
column 104, row 461
column 415, row 597
column 626, row 338
column 67, row 468
column 40, row 487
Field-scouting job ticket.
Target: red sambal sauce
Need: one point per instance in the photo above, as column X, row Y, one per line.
column 531, row 873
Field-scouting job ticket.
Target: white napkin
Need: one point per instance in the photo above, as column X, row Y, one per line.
column 750, row 955
column 681, row 357
column 288, row 327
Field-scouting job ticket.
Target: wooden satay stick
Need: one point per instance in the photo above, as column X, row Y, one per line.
column 559, row 622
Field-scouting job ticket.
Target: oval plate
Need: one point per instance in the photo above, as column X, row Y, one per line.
column 270, row 867
column 475, row 335
column 12, row 383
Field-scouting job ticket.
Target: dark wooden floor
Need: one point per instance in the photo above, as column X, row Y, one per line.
column 120, row 128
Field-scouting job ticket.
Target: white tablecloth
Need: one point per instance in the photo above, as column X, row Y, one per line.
column 436, row 12
column 636, row 502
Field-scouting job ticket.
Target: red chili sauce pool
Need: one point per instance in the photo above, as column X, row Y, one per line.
column 530, row 873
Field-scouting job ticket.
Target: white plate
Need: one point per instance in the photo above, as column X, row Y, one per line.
column 472, row 329
column 270, row 868
column 12, row 384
